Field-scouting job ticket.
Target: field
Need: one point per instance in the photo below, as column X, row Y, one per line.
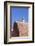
column 23, row 29
column 20, row 29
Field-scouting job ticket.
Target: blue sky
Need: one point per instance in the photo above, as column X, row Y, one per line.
column 17, row 13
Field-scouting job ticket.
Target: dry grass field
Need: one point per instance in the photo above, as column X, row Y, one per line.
column 23, row 29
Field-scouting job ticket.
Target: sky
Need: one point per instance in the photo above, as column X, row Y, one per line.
column 17, row 14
